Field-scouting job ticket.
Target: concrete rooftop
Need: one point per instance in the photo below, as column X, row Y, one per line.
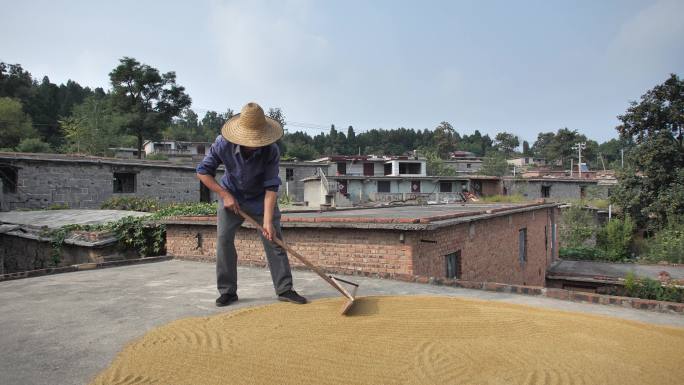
column 66, row 328
column 612, row 270
column 57, row 218
column 426, row 217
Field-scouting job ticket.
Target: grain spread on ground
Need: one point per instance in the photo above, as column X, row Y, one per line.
column 402, row 340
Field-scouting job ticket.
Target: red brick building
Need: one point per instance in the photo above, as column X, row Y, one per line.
column 475, row 242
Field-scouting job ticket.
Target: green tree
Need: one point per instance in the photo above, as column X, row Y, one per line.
column 494, row 163
column 148, row 98
column 445, row 139
column 507, row 143
column 15, row 82
column 94, row 126
column 526, row 148
column 213, row 121
column 651, row 188
column 435, row 166
column 15, row 125
column 33, row 145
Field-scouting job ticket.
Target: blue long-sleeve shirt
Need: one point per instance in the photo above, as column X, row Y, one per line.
column 246, row 179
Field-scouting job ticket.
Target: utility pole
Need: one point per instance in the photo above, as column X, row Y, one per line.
column 579, row 147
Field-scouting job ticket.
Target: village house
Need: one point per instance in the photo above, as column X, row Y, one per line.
column 33, row 181
column 502, row 243
column 346, row 181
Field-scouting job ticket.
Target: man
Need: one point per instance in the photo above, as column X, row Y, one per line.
column 247, row 150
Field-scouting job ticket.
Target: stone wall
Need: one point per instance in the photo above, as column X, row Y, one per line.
column 19, row 254
column 489, row 248
column 43, row 181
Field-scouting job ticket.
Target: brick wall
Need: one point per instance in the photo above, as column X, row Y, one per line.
column 489, row 248
column 352, row 251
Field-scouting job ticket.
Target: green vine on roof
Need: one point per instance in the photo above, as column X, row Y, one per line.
column 146, row 235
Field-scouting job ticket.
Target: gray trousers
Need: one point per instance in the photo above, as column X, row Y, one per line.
column 226, row 255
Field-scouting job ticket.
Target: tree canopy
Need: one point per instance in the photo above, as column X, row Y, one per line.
column 148, row 98
column 651, row 188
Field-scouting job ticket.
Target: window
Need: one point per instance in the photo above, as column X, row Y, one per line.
column 409, row 168
column 341, row 168
column 545, row 191
column 445, row 187
column 124, row 182
column 468, row 165
column 383, row 186
column 8, row 175
column 388, row 168
column 522, row 245
column 453, row 265
column 289, row 174
column 583, row 192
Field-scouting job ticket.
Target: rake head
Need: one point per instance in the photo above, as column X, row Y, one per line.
column 351, row 297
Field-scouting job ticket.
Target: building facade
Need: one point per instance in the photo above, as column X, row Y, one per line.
column 511, row 244
column 33, row 181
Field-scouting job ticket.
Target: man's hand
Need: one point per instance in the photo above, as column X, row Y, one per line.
column 269, row 231
column 230, row 203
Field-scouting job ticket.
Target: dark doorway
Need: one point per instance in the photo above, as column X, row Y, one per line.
column 445, row 186
column 368, row 169
column 205, row 193
column 342, row 187
column 453, row 265
column 9, row 178
column 415, row 186
column 341, row 168
column 388, row 168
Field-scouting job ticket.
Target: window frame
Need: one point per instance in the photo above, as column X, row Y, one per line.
column 456, row 270
column 117, row 176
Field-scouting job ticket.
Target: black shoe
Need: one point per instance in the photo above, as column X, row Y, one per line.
column 292, row 296
column 226, row 299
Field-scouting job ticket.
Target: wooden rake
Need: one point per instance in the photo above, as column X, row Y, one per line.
column 333, row 281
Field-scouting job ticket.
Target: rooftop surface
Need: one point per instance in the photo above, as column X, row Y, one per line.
column 54, row 219
column 602, row 270
column 66, row 328
column 425, row 217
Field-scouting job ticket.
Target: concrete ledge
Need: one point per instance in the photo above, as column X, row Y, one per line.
column 561, row 294
column 80, row 267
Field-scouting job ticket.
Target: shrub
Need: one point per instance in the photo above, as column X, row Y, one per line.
column 577, row 227
column 132, row 203
column 186, row 209
column 667, row 244
column 157, row 157
column 648, row 288
column 147, row 238
column 515, row 198
column 580, row 253
column 615, row 238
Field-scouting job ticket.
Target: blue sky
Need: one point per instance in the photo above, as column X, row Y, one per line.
column 522, row 67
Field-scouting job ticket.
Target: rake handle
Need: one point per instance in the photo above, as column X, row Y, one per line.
column 287, row 248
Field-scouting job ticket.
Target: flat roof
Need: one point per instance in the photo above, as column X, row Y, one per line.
column 607, row 271
column 428, row 217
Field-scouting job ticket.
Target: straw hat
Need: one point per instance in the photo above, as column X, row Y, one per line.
column 252, row 128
